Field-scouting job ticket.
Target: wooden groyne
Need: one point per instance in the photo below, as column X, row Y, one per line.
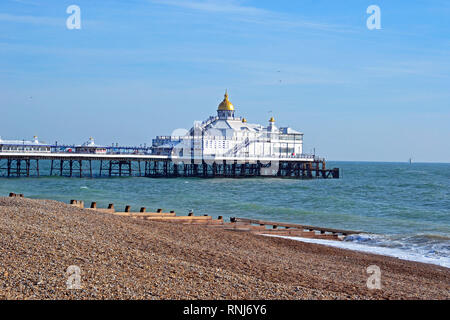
column 235, row 224
column 159, row 215
column 15, row 195
column 291, row 228
column 254, row 226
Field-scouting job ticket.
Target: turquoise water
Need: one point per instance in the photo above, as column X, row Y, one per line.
column 406, row 205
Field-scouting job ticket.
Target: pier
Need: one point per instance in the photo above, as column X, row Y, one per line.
column 29, row 164
column 222, row 146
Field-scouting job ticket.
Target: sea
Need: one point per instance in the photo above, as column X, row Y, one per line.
column 401, row 209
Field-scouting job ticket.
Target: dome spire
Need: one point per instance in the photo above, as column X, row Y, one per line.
column 226, row 105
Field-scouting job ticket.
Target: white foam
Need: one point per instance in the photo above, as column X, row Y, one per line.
column 391, row 252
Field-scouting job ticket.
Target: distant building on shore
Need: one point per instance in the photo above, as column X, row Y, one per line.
column 90, row 147
column 24, row 146
column 227, row 135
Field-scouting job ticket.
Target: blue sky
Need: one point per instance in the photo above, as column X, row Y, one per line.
column 142, row 68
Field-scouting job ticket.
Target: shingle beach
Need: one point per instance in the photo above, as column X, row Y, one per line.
column 126, row 258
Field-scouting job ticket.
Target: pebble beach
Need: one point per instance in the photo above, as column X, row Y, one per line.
column 126, row 258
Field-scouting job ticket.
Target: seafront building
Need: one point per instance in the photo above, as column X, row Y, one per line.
column 229, row 136
column 90, row 147
column 24, row 146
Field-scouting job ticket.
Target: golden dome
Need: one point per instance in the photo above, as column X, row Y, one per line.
column 272, row 119
column 226, row 105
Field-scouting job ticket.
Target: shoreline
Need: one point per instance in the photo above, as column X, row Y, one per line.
column 125, row 258
column 382, row 251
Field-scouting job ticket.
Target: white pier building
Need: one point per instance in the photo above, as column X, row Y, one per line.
column 24, row 146
column 229, row 136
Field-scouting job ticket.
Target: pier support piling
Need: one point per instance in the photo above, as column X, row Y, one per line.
column 74, row 167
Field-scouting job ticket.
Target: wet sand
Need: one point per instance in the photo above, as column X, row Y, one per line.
column 126, row 258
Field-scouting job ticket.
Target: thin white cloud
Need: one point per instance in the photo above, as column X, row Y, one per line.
column 32, row 19
column 213, row 6
column 25, row 2
column 248, row 14
column 432, row 69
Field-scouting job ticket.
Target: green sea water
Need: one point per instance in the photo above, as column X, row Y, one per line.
column 406, row 206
